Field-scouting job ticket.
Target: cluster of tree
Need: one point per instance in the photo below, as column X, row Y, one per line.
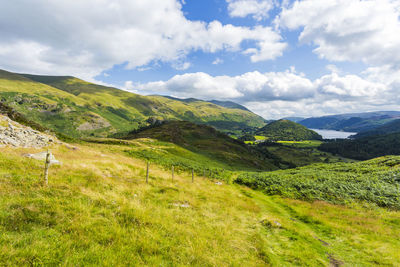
column 247, row 137
column 366, row 147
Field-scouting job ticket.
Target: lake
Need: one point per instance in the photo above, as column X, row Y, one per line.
column 332, row 134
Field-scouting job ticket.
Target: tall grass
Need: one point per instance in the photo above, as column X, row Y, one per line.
column 98, row 211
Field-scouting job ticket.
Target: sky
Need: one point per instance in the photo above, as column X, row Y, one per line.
column 278, row 58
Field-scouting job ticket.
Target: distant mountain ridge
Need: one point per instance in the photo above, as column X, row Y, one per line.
column 225, row 104
column 294, row 119
column 352, row 122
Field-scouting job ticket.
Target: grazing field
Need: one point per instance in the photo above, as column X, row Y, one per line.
column 98, row 210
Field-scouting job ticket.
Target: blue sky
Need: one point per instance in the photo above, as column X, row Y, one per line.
column 278, row 58
column 299, row 56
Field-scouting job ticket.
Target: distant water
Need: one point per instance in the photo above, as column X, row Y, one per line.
column 332, row 134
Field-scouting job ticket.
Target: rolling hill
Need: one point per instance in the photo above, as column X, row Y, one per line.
column 285, row 130
column 353, row 122
column 77, row 108
column 207, row 141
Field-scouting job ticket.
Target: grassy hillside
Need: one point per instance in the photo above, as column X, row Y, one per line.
column 225, row 117
column 98, row 211
column 298, row 153
column 376, row 181
column 210, row 143
column 77, row 108
column 285, row 130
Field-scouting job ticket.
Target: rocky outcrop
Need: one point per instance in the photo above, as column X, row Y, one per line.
column 17, row 135
column 94, row 122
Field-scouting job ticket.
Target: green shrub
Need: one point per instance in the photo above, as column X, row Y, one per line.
column 376, row 181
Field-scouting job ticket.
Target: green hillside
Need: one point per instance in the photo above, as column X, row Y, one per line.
column 77, row 108
column 285, row 130
column 375, row 181
column 98, row 211
column 298, row 153
column 207, row 141
column 388, row 128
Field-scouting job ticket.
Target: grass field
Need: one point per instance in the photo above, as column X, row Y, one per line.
column 98, row 211
column 302, row 144
column 259, row 137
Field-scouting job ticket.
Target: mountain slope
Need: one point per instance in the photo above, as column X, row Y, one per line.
column 388, row 128
column 77, row 108
column 207, row 141
column 228, row 104
column 285, row 130
column 353, row 122
column 225, row 104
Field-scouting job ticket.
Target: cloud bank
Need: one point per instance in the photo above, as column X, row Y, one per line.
column 289, row 93
column 87, row 37
column 84, row 38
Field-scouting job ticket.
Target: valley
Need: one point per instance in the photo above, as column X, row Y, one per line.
column 180, row 133
column 225, row 186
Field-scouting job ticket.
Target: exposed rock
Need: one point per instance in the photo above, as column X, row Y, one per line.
column 181, row 205
column 16, row 135
column 42, row 156
column 95, row 122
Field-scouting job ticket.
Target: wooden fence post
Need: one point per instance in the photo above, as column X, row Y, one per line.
column 46, row 168
column 172, row 172
column 192, row 175
column 147, row 173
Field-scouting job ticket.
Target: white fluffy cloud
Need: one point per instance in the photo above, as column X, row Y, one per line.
column 86, row 37
column 279, row 94
column 247, row 87
column 257, row 8
column 351, row 86
column 217, row 61
column 348, row 30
